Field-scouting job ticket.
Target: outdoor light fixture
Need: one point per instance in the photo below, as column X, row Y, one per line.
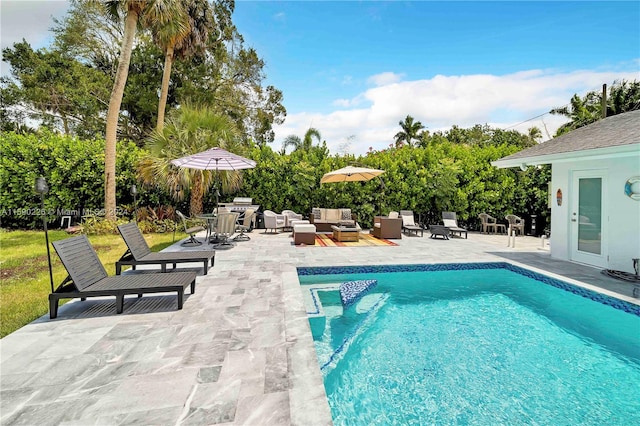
column 42, row 188
column 134, row 192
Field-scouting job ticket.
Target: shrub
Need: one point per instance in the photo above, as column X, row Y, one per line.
column 74, row 170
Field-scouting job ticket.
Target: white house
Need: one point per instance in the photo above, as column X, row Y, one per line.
column 595, row 191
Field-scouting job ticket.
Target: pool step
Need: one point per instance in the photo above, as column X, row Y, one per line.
column 374, row 302
column 352, row 291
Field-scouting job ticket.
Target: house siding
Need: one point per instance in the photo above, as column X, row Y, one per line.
column 621, row 227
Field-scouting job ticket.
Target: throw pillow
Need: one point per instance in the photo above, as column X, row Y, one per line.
column 316, row 213
column 346, row 214
column 450, row 223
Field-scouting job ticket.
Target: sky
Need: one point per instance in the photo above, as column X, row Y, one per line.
column 354, row 69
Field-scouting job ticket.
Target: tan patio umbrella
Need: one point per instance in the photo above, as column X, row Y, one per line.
column 350, row 174
column 354, row 174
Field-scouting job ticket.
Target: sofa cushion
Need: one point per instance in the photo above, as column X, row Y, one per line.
column 316, row 212
column 332, row 215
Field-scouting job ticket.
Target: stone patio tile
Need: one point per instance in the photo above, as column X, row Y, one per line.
column 269, row 409
column 212, row 403
column 149, row 392
column 243, row 364
column 239, row 350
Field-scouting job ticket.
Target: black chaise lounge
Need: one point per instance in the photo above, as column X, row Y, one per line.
column 450, row 220
column 139, row 253
column 88, row 278
column 408, row 223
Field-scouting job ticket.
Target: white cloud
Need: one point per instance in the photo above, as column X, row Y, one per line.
column 30, row 20
column 384, row 78
column 443, row 101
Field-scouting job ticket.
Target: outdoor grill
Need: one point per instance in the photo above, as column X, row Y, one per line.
column 241, row 204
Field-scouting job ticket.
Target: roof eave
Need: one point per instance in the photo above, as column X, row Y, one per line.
column 563, row 157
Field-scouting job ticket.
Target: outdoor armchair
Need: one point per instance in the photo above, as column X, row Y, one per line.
column 191, row 231
column 487, row 222
column 273, row 221
column 387, row 227
column 290, row 215
column 225, row 229
column 245, row 226
column 515, row 223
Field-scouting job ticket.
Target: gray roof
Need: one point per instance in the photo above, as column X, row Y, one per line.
column 617, row 130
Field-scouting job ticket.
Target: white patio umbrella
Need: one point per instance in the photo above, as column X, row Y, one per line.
column 351, row 174
column 214, row 159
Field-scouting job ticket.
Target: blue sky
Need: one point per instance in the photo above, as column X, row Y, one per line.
column 354, row 69
column 357, row 68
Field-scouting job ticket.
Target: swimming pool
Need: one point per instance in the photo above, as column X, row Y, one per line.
column 487, row 343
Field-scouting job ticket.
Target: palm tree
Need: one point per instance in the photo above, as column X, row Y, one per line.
column 410, row 131
column 304, row 144
column 581, row 111
column 149, row 12
column 190, row 130
column 534, row 134
column 179, row 38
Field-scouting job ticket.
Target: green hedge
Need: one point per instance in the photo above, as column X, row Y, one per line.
column 439, row 176
column 73, row 168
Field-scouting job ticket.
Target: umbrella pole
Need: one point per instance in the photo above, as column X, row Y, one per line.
column 382, row 196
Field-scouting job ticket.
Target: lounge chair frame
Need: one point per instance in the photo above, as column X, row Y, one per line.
column 454, row 229
column 88, row 278
column 139, row 253
column 408, row 229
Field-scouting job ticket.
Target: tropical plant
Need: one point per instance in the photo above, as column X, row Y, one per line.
column 54, row 89
column 72, row 167
column 150, row 13
column 624, row 96
column 411, row 131
column 180, row 40
column 190, row 130
column 305, row 144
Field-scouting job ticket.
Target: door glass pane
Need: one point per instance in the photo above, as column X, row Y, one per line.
column 590, row 215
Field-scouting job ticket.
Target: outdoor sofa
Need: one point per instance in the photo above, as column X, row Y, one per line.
column 323, row 219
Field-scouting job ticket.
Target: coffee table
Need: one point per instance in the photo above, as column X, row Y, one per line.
column 344, row 234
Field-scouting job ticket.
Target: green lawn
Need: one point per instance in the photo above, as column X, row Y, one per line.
column 24, row 274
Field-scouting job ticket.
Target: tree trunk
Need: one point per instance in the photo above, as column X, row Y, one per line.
column 195, row 206
column 114, row 111
column 164, row 92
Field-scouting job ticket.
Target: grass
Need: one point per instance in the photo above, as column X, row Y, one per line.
column 24, row 271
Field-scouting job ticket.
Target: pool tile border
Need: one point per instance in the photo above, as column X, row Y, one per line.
column 572, row 288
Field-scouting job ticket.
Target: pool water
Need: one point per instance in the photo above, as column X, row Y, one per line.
column 482, row 346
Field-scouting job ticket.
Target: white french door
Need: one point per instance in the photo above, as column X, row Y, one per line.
column 588, row 218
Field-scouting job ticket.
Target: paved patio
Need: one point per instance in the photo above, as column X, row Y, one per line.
column 239, row 352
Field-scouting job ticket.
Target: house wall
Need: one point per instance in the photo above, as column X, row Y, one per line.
column 623, row 225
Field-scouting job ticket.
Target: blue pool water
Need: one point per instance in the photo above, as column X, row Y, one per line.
column 481, row 346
